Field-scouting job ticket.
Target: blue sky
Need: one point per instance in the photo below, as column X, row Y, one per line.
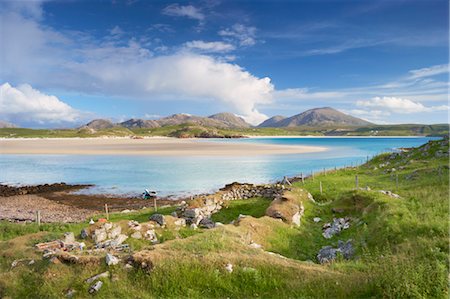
column 64, row 62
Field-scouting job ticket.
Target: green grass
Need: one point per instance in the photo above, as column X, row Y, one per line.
column 255, row 207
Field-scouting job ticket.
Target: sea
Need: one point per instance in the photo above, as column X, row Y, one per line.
column 187, row 175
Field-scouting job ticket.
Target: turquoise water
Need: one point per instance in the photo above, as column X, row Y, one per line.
column 187, row 175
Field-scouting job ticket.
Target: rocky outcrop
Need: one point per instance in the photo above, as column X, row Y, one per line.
column 328, row 253
column 6, row 190
column 335, row 227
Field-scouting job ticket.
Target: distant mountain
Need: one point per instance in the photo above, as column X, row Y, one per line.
column 231, row 120
column 220, row 120
column 321, row 117
column 99, row 124
column 5, row 124
column 271, row 122
column 139, row 123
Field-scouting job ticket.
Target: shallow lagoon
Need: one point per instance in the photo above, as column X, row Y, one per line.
column 187, row 175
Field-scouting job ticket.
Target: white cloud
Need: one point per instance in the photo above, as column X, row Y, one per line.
column 399, row 105
column 245, row 35
column 26, row 104
column 41, row 56
column 218, row 47
column 188, row 11
column 429, row 71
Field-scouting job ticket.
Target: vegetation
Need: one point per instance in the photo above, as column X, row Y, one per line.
column 194, row 130
column 401, row 243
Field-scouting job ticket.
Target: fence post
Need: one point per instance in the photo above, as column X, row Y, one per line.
column 396, row 182
column 38, row 217
column 154, row 204
column 106, row 211
column 320, row 186
column 356, row 182
column 303, row 179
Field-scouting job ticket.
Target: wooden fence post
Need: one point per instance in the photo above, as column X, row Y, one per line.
column 320, row 186
column 106, row 211
column 303, row 179
column 38, row 217
column 154, row 204
column 356, row 182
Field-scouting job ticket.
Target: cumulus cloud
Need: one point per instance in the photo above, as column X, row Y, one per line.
column 26, row 104
column 211, row 47
column 42, row 56
column 244, row 35
column 399, row 105
column 188, row 11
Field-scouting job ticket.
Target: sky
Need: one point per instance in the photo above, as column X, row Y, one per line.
column 63, row 63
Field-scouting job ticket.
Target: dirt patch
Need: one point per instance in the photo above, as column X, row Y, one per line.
column 24, row 207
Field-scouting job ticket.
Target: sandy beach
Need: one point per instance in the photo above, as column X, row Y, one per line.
column 149, row 146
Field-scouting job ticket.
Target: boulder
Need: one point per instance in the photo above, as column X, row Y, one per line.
column 84, row 233
column 69, row 237
column 207, row 223
column 114, row 232
column 151, row 235
column 328, row 253
column 158, row 218
column 111, row 260
column 100, row 235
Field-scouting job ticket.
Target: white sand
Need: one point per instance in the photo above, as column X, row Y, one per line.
column 149, row 146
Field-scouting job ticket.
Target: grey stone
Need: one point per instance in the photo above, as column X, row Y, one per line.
column 95, row 287
column 328, row 253
column 158, row 218
column 317, row 219
column 111, row 260
column 100, row 235
column 207, row 223
column 335, row 227
column 84, row 234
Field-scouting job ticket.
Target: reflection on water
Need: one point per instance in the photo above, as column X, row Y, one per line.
column 179, row 175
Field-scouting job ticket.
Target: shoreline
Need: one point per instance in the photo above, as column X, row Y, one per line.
column 155, row 146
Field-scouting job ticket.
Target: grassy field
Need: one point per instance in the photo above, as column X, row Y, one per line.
column 401, row 244
column 192, row 130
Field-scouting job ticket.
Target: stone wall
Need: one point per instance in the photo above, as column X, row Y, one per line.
column 235, row 191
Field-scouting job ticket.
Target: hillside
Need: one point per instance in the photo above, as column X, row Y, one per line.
column 387, row 237
column 318, row 117
column 230, row 120
column 5, row 124
column 139, row 123
column 271, row 122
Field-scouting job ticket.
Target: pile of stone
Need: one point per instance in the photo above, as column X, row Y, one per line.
column 148, row 231
column 68, row 243
column 235, row 191
column 328, row 253
column 200, row 210
column 335, row 227
column 109, row 236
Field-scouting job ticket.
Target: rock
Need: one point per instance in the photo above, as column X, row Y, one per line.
column 114, row 232
column 108, row 225
column 125, row 211
column 192, row 213
column 180, row 222
column 296, row 219
column 91, row 221
column 98, row 276
column 128, row 267
column 151, row 235
column 317, row 219
column 219, row 224
column 338, row 224
column 69, row 237
column 136, row 235
column 111, row 260
column 70, row 293
column 158, row 218
column 255, row 245
column 100, row 235
column 193, row 226
column 328, row 253
column 31, row 262
column 120, row 239
column 84, row 234
column 390, row 194
column 134, row 225
column 95, row 287
column 174, row 214
column 229, row 268
column 207, row 223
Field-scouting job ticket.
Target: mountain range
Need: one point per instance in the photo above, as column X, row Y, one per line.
column 318, row 117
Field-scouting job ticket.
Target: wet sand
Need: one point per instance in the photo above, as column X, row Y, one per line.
column 148, row 146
